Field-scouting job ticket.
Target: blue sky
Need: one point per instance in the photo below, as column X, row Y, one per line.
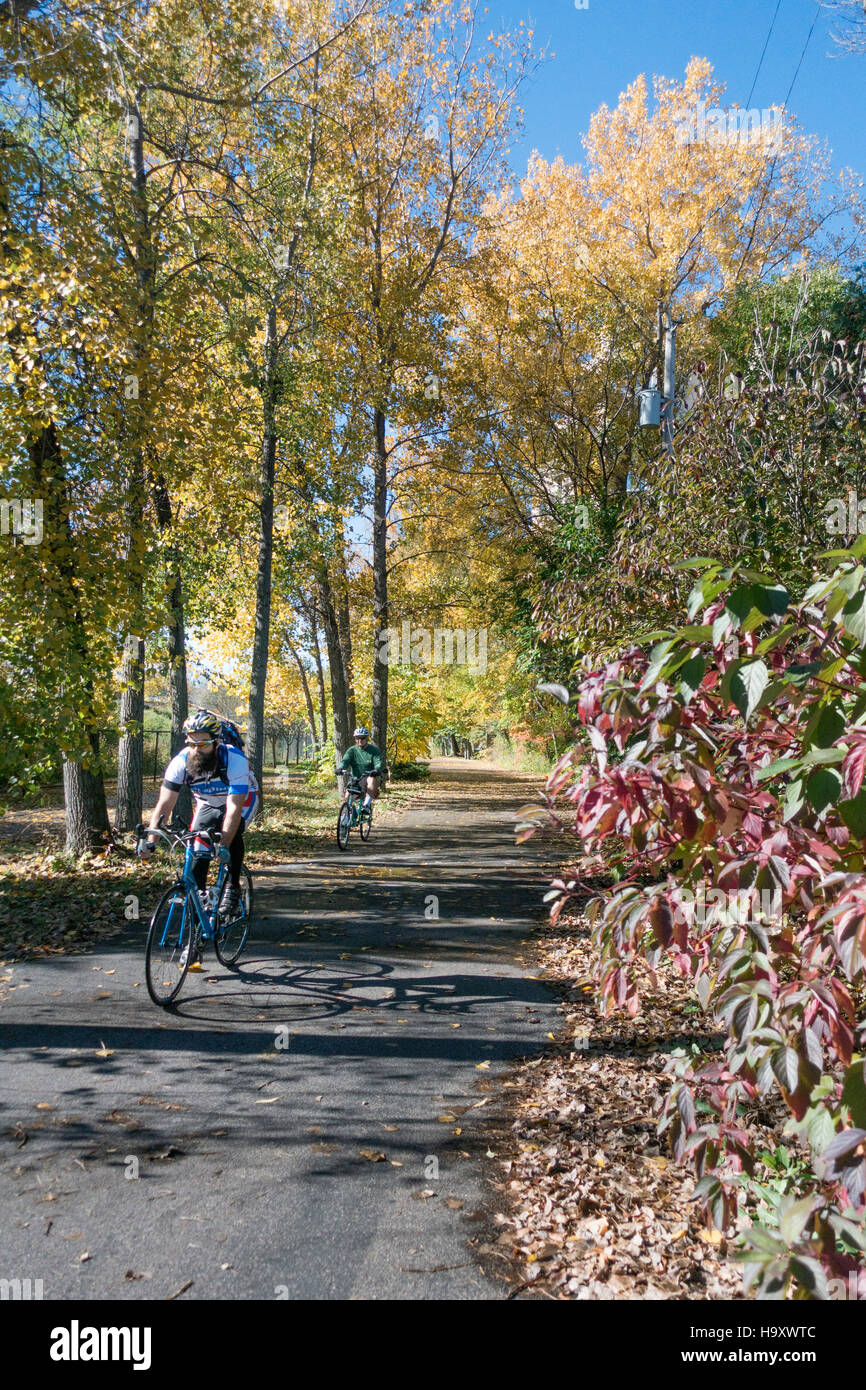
column 600, row 50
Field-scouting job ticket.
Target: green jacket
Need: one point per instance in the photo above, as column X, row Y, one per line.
column 359, row 761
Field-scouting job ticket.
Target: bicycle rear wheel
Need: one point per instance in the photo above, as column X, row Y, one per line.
column 344, row 825
column 167, row 953
column 230, row 937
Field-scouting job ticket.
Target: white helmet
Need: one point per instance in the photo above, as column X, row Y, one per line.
column 361, row 732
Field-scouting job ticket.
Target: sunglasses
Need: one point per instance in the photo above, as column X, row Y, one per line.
column 199, row 743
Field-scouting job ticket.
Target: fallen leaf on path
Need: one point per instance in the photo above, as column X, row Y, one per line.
column 83, row 1257
column 373, row 1155
column 103, row 1051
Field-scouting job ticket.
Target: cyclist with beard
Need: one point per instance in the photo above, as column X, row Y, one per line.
column 225, row 792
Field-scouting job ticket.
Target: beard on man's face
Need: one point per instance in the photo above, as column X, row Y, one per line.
column 201, row 760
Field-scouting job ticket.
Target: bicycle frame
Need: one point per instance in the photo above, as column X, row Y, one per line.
column 174, row 842
column 356, row 801
column 205, row 920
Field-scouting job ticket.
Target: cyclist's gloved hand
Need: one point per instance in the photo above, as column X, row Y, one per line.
column 225, row 854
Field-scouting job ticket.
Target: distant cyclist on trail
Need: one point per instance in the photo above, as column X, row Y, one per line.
column 214, row 767
column 363, row 761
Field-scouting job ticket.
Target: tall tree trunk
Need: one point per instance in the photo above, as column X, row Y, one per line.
column 380, row 582
column 308, row 699
column 177, row 676
column 342, row 731
column 86, row 812
column 83, row 787
column 344, row 624
column 320, row 677
column 130, row 752
column 84, row 799
column 179, row 690
column 261, row 639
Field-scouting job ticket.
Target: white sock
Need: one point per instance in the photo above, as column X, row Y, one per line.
column 367, row 799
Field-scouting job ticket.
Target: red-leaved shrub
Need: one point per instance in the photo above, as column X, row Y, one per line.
column 725, row 769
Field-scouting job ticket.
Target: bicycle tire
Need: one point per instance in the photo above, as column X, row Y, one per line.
column 163, row 971
column 226, row 943
column 365, row 824
column 344, row 825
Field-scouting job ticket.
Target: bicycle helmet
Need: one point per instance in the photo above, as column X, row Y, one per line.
column 361, row 732
column 203, row 722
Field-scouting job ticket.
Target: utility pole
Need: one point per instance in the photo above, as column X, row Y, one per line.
column 669, row 326
column 655, row 407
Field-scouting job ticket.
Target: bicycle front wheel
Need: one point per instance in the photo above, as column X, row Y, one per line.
column 365, row 824
column 230, row 936
column 167, row 953
column 344, row 825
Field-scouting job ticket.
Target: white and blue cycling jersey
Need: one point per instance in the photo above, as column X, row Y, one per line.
column 232, row 776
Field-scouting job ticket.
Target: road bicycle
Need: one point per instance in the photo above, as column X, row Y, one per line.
column 186, row 919
column 354, row 813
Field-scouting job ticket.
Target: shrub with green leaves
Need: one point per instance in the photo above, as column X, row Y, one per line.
column 726, row 768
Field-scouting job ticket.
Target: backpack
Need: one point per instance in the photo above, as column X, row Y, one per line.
column 229, row 731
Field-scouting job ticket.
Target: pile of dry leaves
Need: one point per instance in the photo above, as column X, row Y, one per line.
column 592, row 1206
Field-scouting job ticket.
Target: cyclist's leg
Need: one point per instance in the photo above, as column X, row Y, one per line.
column 371, row 787
column 237, row 848
column 206, row 818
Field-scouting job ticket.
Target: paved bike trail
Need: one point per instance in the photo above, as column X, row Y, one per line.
column 309, row 1126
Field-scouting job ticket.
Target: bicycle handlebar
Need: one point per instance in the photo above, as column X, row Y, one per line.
column 173, row 839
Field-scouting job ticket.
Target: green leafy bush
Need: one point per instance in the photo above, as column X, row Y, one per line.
column 410, row 771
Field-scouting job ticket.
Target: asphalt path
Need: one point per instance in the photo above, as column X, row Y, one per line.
column 309, row 1126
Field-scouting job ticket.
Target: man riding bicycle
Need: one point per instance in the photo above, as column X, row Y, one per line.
column 363, row 761
column 225, row 792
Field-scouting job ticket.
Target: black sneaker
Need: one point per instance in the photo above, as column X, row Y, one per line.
column 231, row 903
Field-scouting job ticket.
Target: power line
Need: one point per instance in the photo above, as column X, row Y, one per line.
column 763, row 52
column 776, row 155
column 802, row 55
